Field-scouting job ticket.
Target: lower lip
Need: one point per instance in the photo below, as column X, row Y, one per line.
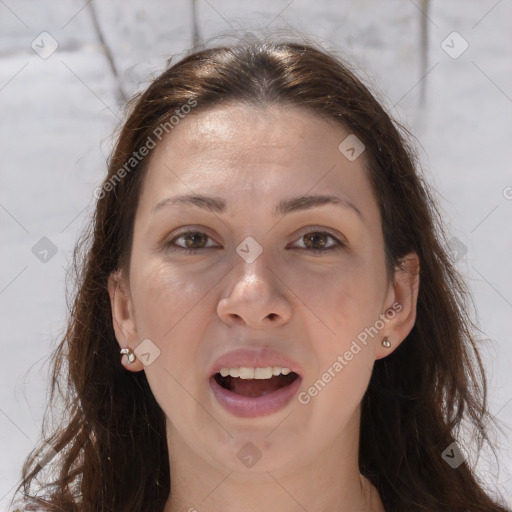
column 250, row 407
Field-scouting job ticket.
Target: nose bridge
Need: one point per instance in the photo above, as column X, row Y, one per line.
column 255, row 263
column 255, row 292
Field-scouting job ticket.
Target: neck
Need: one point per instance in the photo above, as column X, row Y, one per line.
column 331, row 482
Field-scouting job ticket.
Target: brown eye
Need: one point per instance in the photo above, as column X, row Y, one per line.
column 318, row 242
column 195, row 237
column 193, row 241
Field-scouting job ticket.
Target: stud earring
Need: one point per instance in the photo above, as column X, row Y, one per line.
column 386, row 343
column 129, row 352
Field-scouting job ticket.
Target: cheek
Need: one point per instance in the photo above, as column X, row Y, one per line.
column 347, row 304
column 344, row 299
column 170, row 311
column 165, row 295
column 169, row 304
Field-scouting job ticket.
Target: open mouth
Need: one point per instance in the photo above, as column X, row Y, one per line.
column 254, row 388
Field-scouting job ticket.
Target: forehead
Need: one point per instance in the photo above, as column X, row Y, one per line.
column 245, row 125
column 251, row 153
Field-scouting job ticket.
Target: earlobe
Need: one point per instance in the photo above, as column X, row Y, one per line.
column 123, row 319
column 405, row 287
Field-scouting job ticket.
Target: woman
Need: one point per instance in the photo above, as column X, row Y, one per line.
column 269, row 263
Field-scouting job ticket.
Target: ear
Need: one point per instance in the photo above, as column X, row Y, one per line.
column 400, row 314
column 123, row 318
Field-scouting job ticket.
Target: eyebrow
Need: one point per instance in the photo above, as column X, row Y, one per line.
column 219, row 205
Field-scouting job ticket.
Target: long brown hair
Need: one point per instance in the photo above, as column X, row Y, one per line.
column 111, row 449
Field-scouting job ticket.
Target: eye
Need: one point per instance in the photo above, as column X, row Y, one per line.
column 194, row 241
column 320, row 239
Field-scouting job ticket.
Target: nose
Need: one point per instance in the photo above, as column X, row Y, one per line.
column 258, row 298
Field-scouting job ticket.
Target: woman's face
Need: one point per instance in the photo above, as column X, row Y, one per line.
column 255, row 282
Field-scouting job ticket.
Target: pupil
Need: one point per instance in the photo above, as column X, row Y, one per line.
column 313, row 236
column 192, row 237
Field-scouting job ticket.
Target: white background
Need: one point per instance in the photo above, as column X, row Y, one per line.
column 58, row 113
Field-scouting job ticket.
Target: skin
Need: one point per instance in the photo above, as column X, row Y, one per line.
column 197, row 307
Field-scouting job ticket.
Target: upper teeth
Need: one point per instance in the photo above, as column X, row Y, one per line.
column 254, row 373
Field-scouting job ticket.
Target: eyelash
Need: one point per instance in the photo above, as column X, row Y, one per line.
column 339, row 244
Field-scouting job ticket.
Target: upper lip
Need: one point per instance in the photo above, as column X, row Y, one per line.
column 255, row 358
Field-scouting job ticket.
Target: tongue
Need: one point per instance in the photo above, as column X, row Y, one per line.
column 257, row 387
